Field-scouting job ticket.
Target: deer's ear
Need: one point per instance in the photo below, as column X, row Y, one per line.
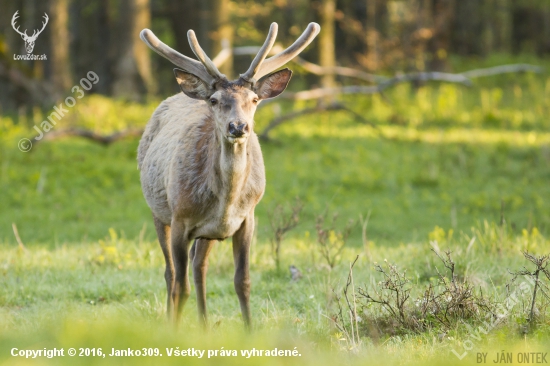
column 273, row 84
column 191, row 85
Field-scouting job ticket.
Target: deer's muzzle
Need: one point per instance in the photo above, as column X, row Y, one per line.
column 237, row 129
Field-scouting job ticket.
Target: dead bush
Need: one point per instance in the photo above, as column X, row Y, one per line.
column 388, row 308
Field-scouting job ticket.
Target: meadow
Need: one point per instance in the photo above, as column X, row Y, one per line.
column 438, row 166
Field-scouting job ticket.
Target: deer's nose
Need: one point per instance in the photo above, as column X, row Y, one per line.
column 238, row 129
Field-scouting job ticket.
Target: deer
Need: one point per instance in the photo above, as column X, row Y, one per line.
column 201, row 166
column 29, row 40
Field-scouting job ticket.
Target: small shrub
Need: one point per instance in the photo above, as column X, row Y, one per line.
column 536, row 276
column 331, row 241
column 281, row 223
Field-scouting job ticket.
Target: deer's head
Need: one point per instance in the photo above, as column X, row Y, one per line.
column 29, row 40
column 232, row 103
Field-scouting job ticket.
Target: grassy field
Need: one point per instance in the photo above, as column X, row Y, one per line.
column 111, row 295
column 446, row 167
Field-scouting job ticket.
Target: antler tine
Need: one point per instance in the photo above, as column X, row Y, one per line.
column 283, row 57
column 186, row 63
column 260, row 57
column 201, row 55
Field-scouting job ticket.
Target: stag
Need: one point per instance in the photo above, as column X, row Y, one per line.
column 29, row 41
column 202, row 170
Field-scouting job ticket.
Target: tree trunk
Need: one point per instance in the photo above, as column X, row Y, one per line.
column 544, row 45
column 468, row 28
column 184, row 15
column 502, row 25
column 103, row 45
column 222, row 31
column 326, row 40
column 141, row 51
column 210, row 19
column 371, row 36
column 439, row 44
column 132, row 71
column 59, row 38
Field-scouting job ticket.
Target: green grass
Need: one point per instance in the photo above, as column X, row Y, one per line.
column 445, row 164
column 411, row 179
column 111, row 295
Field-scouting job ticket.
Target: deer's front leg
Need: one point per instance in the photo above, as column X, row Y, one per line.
column 163, row 233
column 241, row 254
column 180, row 257
column 199, row 256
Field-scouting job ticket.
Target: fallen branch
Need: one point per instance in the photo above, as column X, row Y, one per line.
column 375, row 89
column 90, row 135
column 502, row 69
column 264, row 135
column 463, row 77
column 338, row 70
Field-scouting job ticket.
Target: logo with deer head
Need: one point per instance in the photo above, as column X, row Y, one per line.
column 29, row 40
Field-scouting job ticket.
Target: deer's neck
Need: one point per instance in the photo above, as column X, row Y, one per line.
column 234, row 168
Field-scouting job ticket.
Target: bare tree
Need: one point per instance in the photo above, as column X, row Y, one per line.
column 281, row 223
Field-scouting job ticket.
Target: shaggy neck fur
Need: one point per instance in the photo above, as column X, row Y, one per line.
column 227, row 165
column 233, row 165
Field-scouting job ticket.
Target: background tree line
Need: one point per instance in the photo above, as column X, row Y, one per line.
column 378, row 36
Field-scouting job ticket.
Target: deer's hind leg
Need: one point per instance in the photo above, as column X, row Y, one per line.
column 163, row 233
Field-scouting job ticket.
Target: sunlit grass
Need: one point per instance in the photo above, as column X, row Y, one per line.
column 110, row 294
column 410, row 179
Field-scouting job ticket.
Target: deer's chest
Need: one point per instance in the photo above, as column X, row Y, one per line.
column 223, row 219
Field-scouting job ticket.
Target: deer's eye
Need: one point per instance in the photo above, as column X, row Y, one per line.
column 213, row 101
column 255, row 100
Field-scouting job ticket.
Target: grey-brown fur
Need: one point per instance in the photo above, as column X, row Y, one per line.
column 189, row 170
column 203, row 186
column 202, row 171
